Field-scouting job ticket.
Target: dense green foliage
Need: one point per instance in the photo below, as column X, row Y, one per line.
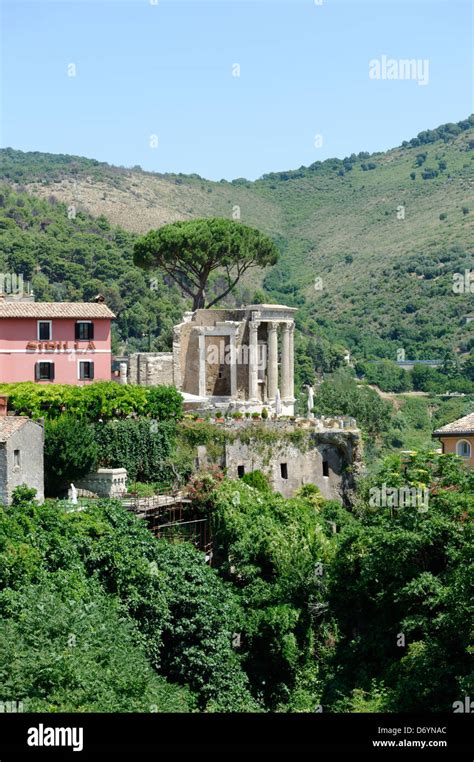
column 451, row 376
column 67, row 647
column 326, row 593
column 398, row 422
column 308, row 605
column 258, row 480
column 141, row 446
column 340, row 395
column 269, row 548
column 99, row 574
column 100, row 400
column 405, row 572
column 70, row 452
column 193, row 251
column 75, row 258
column 445, row 132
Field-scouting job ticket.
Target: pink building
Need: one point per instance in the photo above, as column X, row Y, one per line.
column 55, row 342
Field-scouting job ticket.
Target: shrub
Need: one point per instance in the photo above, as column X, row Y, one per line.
column 23, row 494
column 164, row 403
column 70, row 452
column 258, row 480
column 102, row 399
column 264, row 413
column 139, row 445
column 130, row 601
column 203, row 483
column 429, row 173
column 67, row 647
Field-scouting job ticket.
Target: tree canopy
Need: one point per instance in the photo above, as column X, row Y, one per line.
column 190, row 252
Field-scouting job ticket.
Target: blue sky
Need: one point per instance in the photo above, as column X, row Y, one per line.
column 166, row 69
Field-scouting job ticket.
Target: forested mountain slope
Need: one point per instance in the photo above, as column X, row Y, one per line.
column 369, row 244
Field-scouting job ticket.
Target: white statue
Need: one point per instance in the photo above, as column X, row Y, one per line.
column 73, row 495
column 310, row 401
column 277, row 402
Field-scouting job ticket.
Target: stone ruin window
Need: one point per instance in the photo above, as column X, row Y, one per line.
column 240, row 471
column 284, row 470
column 16, row 458
column 325, row 468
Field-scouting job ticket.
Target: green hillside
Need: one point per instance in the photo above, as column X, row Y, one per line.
column 75, row 259
column 369, row 244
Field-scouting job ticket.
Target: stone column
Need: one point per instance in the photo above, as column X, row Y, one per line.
column 202, row 365
column 291, row 352
column 272, row 361
column 285, row 361
column 123, row 372
column 233, row 366
column 253, row 360
column 177, row 376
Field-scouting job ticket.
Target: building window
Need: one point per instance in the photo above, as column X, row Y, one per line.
column 16, row 458
column 44, row 371
column 84, row 330
column 325, row 468
column 86, row 369
column 284, row 470
column 45, row 332
column 240, row 471
column 463, row 448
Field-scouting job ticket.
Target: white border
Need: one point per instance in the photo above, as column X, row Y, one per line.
column 38, row 329
column 461, row 441
column 50, row 362
column 79, row 370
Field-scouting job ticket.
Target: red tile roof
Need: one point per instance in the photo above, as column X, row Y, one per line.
column 463, row 425
column 86, row 310
column 9, row 424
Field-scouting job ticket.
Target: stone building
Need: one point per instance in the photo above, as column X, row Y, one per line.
column 326, row 452
column 21, row 456
column 228, row 357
